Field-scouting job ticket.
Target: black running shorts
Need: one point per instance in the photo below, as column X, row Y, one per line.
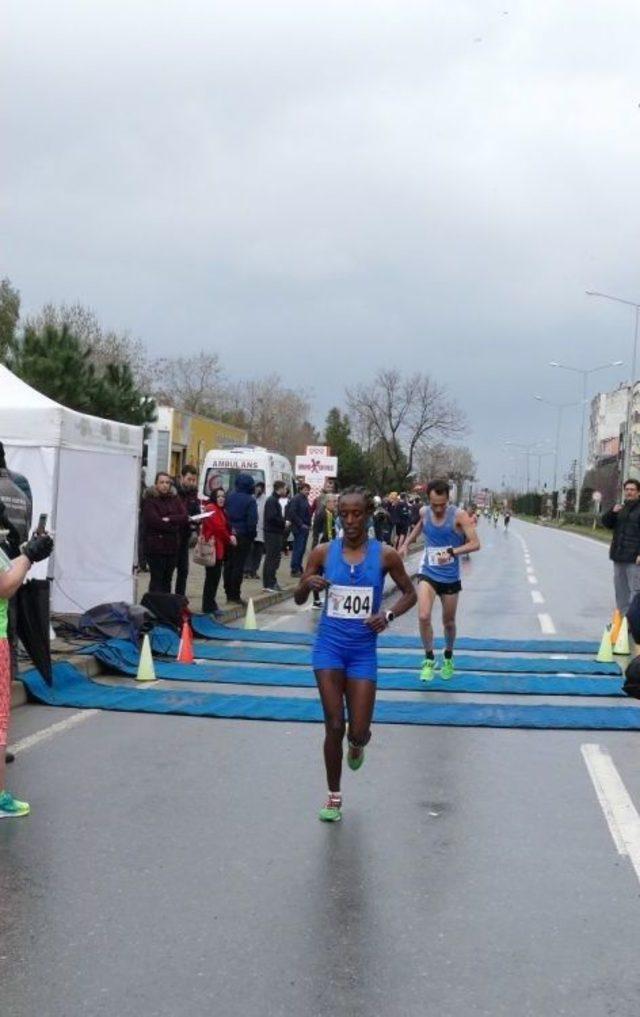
column 441, row 589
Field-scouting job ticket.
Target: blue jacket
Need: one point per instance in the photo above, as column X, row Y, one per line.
column 241, row 507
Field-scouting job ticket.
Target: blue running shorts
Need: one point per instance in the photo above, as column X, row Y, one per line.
column 355, row 661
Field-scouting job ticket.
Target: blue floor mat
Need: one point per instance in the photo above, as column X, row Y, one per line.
column 122, row 656
column 207, row 628
column 165, row 641
column 73, row 689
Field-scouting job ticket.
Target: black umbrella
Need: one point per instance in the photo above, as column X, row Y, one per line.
column 33, row 624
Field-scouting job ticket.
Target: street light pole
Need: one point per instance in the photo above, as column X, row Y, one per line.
column 627, row 462
column 559, row 407
column 529, row 450
column 585, row 375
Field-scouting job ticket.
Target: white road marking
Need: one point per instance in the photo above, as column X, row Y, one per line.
column 537, row 597
column 619, row 811
column 530, row 570
column 532, row 580
column 546, row 624
column 52, row 731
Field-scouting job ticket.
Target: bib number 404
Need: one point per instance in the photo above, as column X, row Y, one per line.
column 355, row 604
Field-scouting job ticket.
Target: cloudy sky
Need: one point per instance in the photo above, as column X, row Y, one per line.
column 326, row 188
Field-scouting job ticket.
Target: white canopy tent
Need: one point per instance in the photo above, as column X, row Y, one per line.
column 85, row 474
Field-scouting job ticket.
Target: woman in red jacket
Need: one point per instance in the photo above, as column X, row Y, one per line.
column 216, row 529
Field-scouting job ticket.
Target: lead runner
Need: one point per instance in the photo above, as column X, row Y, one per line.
column 352, row 568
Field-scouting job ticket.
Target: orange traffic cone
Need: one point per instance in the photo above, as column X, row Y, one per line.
column 185, row 650
column 616, row 623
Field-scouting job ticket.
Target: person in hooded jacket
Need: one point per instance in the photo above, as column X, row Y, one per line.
column 165, row 518
column 242, row 513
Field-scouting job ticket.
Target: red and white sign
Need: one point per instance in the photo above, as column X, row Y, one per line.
column 317, row 450
column 316, row 468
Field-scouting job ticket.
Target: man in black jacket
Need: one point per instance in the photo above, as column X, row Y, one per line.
column 300, row 519
column 187, row 490
column 624, row 552
column 274, row 527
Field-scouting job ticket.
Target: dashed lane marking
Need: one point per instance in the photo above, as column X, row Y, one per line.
column 537, row 597
column 546, row 624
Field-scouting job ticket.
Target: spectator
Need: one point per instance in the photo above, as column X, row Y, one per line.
column 242, row 513
column 216, row 529
column 274, row 531
column 12, row 575
column 164, row 518
column 401, row 519
column 187, row 491
column 381, row 521
column 624, row 552
column 300, row 519
column 284, row 499
column 324, row 530
column 257, row 548
column 414, row 511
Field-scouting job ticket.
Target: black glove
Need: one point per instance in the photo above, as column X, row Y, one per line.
column 38, row 548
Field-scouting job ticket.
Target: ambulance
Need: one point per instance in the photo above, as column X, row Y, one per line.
column 222, row 465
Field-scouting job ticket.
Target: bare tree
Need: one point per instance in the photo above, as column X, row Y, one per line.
column 105, row 346
column 399, row 415
column 275, row 416
column 193, row 383
column 454, row 462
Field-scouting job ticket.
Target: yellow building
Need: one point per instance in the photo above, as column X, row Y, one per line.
column 178, row 438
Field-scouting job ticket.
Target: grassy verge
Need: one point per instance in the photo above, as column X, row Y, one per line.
column 604, row 536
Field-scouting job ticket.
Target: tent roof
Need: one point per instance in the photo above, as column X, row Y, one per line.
column 27, row 417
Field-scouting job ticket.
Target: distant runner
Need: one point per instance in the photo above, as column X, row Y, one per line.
column 507, row 519
column 448, row 533
column 344, row 654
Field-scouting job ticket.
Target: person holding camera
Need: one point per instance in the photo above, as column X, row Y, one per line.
column 12, row 574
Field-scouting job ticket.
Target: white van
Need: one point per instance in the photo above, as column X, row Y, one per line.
column 222, row 466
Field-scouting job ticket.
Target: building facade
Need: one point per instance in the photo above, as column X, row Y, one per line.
column 177, row 438
column 606, row 424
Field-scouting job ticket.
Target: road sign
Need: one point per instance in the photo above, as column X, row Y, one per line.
column 316, row 468
column 597, row 496
column 317, row 450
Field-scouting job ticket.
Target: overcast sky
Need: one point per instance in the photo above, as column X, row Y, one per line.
column 326, row 188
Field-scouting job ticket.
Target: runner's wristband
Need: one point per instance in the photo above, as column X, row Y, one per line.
column 450, row 551
column 389, row 617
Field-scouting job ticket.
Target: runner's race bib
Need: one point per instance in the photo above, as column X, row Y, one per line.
column 438, row 556
column 353, row 603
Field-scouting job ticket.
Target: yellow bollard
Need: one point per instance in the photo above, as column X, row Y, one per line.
column 146, row 670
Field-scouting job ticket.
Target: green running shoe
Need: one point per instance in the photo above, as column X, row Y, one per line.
column 355, row 762
column 11, row 808
column 428, row 669
column 448, row 667
column 332, row 811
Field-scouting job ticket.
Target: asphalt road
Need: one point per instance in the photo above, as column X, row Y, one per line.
column 175, row 866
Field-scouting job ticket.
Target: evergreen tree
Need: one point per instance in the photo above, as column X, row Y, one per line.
column 353, row 465
column 55, row 362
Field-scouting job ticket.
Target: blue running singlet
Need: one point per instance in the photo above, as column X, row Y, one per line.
column 438, row 536
column 343, row 641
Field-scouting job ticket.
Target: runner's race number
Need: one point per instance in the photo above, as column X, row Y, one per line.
column 349, row 602
column 438, row 556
